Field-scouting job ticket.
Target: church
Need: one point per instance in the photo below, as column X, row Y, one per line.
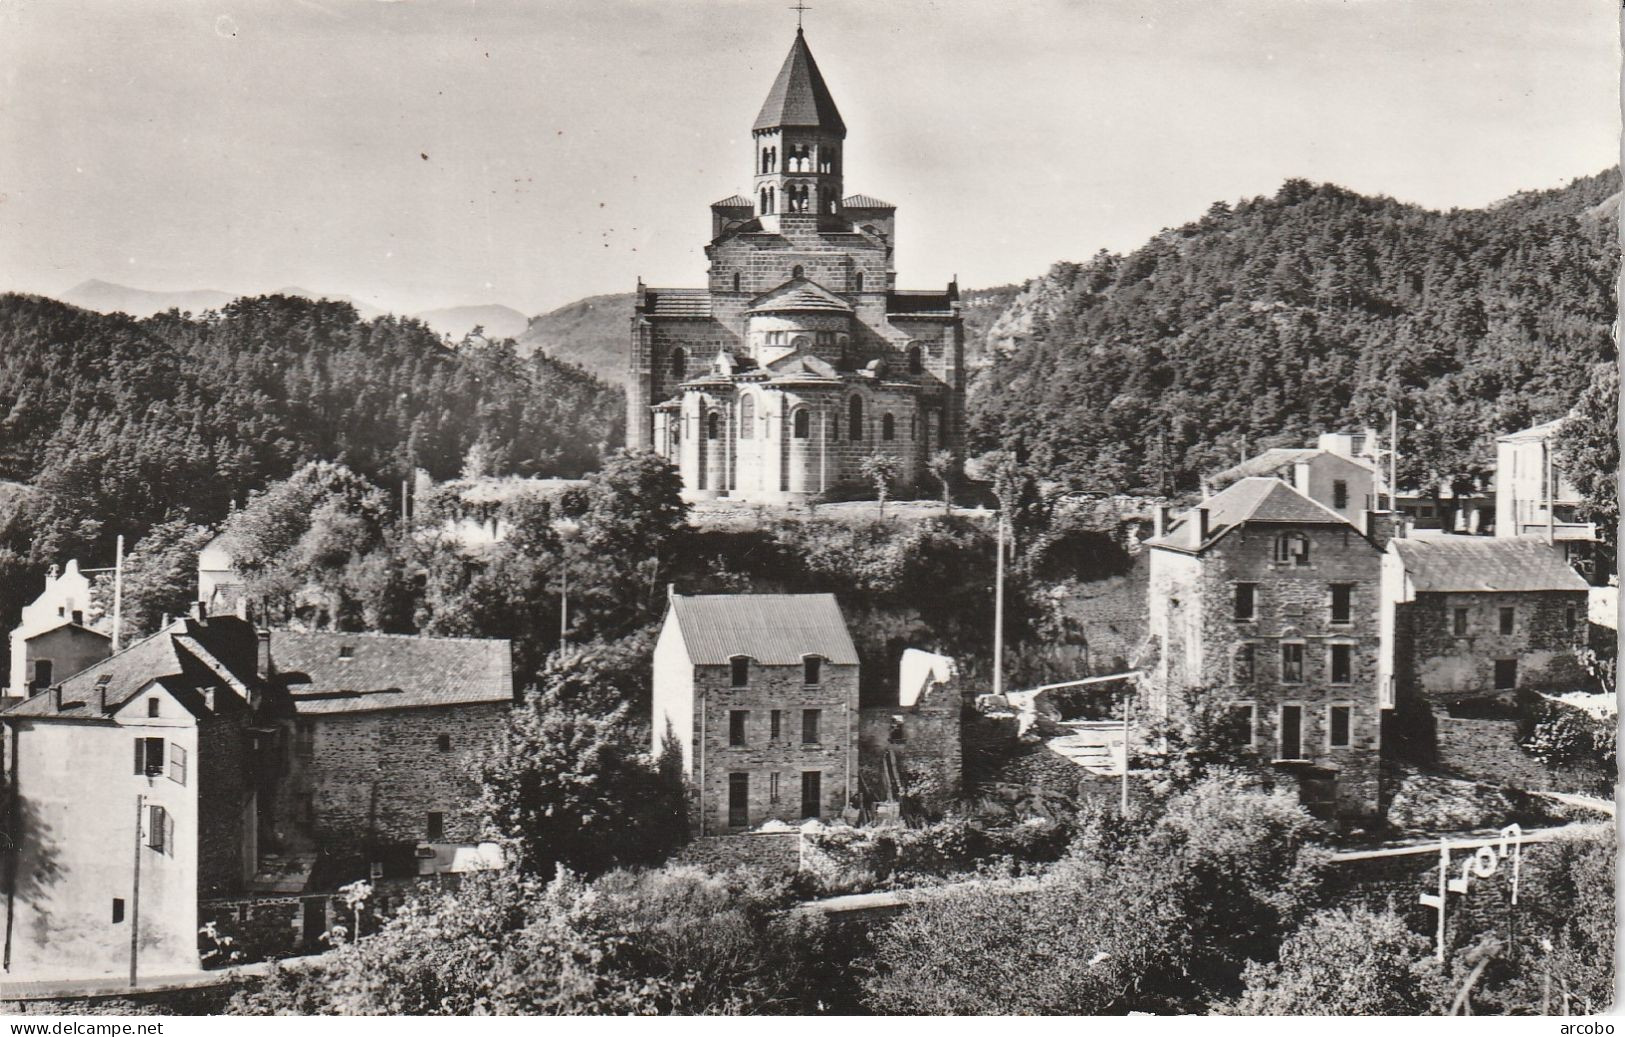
column 800, row 358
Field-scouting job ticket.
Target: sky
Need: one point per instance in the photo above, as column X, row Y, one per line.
column 424, row 153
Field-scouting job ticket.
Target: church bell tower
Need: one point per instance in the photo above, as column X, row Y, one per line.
column 798, row 139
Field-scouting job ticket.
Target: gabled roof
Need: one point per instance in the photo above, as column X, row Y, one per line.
column 918, row 303
column 329, row 672
column 799, row 365
column 1253, row 499
column 800, row 296
column 773, row 629
column 737, row 201
column 1278, row 459
column 189, row 658
column 64, row 622
column 678, row 302
column 1534, row 434
column 1468, row 563
column 864, row 201
column 799, row 96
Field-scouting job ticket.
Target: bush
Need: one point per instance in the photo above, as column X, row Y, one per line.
column 1345, row 963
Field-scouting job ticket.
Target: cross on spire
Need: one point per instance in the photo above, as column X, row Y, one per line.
column 799, row 8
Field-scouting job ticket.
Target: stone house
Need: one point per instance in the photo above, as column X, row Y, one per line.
column 51, row 640
column 376, row 748
column 256, row 780
column 760, row 691
column 1269, row 599
column 913, row 747
column 1474, row 617
column 1342, row 483
column 800, row 357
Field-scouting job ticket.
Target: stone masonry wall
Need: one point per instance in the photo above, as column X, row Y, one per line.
column 771, row 688
column 1439, row 664
column 222, row 787
column 929, row 757
column 1487, row 750
column 375, row 777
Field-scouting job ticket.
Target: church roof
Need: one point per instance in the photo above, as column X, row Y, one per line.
column 800, row 296
column 679, row 302
column 799, row 96
column 737, row 201
column 864, row 201
column 801, row 365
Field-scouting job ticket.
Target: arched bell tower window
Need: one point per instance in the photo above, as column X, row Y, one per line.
column 796, row 271
column 713, row 425
column 736, row 282
column 747, row 418
column 914, row 366
column 801, row 424
column 888, row 427
column 679, row 364
column 854, row 418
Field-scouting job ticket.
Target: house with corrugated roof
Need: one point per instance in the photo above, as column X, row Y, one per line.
column 760, row 692
column 800, row 357
column 1267, row 599
column 1474, row 617
column 1534, row 497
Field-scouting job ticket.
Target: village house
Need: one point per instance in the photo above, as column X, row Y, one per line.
column 1470, row 512
column 52, row 640
column 269, row 768
column 800, row 357
column 1470, row 617
column 760, row 692
column 1269, row 599
column 1343, row 483
column 1533, row 497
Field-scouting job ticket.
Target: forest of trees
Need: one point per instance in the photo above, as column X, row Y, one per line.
column 1266, row 322
column 113, row 425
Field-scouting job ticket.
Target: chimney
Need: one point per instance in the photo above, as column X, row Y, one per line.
column 262, row 661
column 56, row 697
column 1378, row 527
column 1300, row 477
column 200, row 610
column 1162, row 517
column 1201, row 523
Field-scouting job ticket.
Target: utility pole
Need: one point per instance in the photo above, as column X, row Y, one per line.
column 1551, row 511
column 564, row 595
column 998, row 613
column 135, row 891
column 1393, row 459
column 118, row 592
column 1128, row 706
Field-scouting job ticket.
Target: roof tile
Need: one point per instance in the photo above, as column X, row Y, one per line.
column 1468, row 563
column 773, row 629
column 329, row 672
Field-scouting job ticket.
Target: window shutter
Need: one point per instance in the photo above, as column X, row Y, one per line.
column 177, row 764
column 140, row 755
column 169, row 833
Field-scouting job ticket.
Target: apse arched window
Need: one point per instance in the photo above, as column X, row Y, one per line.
column 736, row 282
column 854, row 418
column 801, row 424
column 713, row 425
column 888, row 427
column 858, row 281
column 679, row 363
column 747, row 418
column 1292, row 549
column 914, row 365
column 796, row 271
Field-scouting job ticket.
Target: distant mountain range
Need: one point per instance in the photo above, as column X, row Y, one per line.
column 590, row 333
column 105, row 297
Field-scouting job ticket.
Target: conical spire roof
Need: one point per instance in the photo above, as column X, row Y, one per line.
column 799, row 96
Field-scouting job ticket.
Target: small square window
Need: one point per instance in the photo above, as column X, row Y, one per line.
column 774, row 735
column 1340, row 494
column 811, row 669
column 1243, row 716
column 898, row 734
column 736, row 726
column 152, row 707
column 1338, row 727
column 739, row 671
column 1241, row 669
column 443, row 743
column 118, row 910
column 1458, row 622
column 346, row 651
column 1342, row 603
column 1508, row 619
column 809, row 726
column 1571, row 618
column 436, row 826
